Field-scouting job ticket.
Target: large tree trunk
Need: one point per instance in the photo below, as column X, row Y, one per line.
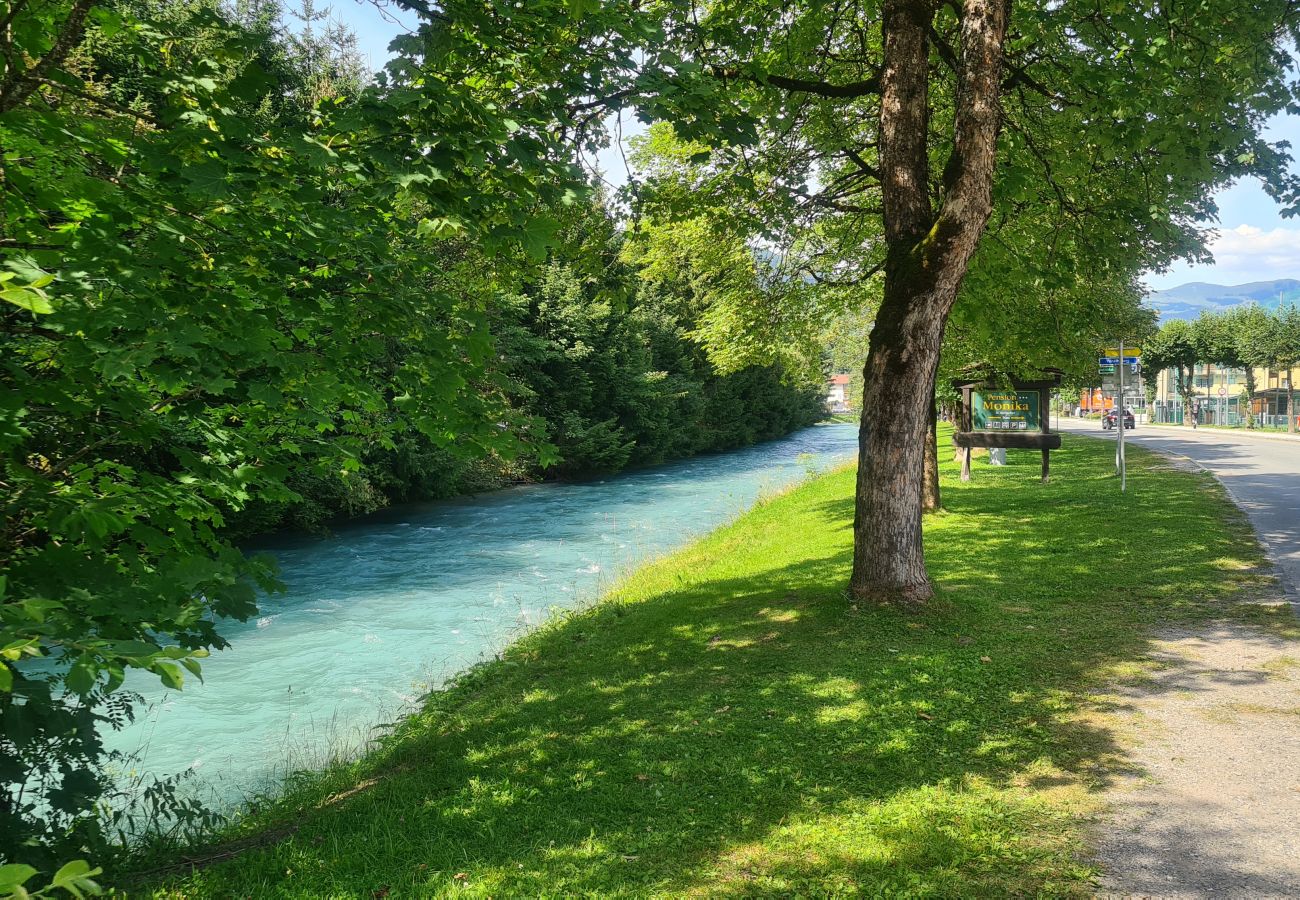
column 888, row 556
column 926, row 259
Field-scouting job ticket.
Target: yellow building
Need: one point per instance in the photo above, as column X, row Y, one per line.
column 1220, row 395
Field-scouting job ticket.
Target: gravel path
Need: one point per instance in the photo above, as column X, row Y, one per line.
column 1215, row 811
column 1211, row 804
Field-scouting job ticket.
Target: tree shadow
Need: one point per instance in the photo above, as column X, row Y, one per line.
column 650, row 758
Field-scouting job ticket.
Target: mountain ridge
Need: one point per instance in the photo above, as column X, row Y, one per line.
column 1187, row 301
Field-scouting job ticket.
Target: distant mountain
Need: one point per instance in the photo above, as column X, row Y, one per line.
column 1187, row 300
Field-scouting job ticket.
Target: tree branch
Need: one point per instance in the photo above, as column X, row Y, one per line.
column 946, row 53
column 14, row 10
column 861, row 163
column 15, row 244
column 98, row 101
column 968, row 175
column 846, row 282
column 30, row 329
column 1019, row 75
column 868, row 87
column 600, row 102
column 18, row 86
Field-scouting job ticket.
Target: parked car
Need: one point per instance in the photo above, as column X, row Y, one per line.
column 1108, row 421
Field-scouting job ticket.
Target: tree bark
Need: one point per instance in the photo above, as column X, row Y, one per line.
column 930, row 498
column 926, row 259
column 1290, row 404
column 1250, row 396
column 1185, row 388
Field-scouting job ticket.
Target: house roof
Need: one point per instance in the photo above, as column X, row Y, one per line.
column 839, row 379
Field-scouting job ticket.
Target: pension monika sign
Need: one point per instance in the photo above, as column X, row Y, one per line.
column 1005, row 410
column 1013, row 418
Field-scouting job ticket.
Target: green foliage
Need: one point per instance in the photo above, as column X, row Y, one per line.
column 228, row 303
column 1173, row 346
column 208, row 295
column 605, row 351
column 76, row 879
column 1113, row 130
column 746, row 309
column 843, row 342
column 595, row 356
column 1272, row 339
column 1246, row 337
column 1229, row 339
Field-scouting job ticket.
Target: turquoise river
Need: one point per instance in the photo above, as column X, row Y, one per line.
column 391, row 605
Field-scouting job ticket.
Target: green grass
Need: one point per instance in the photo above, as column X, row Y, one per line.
column 727, row 723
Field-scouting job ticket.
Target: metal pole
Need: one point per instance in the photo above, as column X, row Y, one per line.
column 1119, row 422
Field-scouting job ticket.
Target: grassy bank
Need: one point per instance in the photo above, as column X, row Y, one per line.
column 728, row 723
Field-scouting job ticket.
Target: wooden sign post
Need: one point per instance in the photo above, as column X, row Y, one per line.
column 1015, row 419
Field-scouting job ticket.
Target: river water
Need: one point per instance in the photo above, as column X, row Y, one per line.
column 390, row 605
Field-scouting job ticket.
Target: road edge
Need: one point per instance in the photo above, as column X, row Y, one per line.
column 1239, row 432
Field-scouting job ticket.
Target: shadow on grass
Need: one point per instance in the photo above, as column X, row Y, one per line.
column 728, row 723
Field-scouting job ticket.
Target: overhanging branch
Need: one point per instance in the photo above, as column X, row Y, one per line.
column 851, row 90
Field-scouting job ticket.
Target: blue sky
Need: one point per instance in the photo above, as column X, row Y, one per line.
column 1253, row 241
column 375, row 25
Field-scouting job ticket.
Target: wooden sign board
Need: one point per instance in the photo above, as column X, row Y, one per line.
column 992, row 416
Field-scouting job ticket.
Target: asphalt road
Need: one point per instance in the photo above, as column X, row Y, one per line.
column 1262, row 474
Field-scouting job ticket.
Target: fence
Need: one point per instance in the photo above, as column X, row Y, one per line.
column 1227, row 411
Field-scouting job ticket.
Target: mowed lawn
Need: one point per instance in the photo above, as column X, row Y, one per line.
column 727, row 722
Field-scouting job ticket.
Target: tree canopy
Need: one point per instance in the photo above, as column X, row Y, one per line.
column 1247, row 338
column 882, row 140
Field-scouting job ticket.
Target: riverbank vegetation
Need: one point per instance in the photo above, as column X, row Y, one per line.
column 236, row 299
column 593, row 358
column 726, row 721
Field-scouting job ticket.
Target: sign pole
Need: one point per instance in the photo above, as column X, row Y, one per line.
column 1119, row 422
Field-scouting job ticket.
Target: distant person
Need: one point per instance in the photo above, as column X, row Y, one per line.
column 1196, row 414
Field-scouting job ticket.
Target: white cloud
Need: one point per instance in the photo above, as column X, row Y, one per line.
column 1247, row 253
column 1242, row 254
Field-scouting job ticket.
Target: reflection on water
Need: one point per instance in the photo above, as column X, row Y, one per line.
column 392, row 604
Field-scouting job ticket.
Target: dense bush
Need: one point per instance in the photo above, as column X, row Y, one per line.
column 604, row 371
